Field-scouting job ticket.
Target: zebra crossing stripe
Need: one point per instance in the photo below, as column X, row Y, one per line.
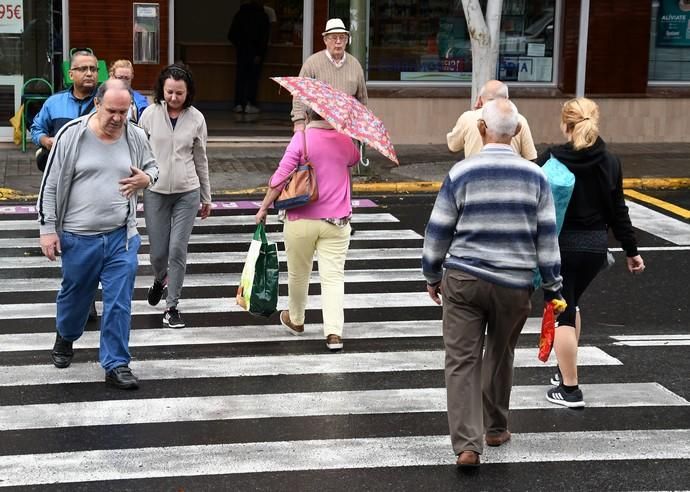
column 218, row 220
column 226, row 279
column 227, row 304
column 653, row 222
column 270, row 365
column 240, row 238
column 333, row 454
column 233, row 407
column 652, row 340
column 15, row 262
column 215, row 335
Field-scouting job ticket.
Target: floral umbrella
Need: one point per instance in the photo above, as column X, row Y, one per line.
column 345, row 113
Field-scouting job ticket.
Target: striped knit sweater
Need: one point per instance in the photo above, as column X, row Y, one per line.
column 494, row 218
column 348, row 78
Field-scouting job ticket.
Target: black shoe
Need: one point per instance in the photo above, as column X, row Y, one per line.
column 557, row 378
column 93, row 314
column 172, row 318
column 122, row 377
column 560, row 396
column 62, row 352
column 156, row 292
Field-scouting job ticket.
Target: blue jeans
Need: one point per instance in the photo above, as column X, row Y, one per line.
column 86, row 260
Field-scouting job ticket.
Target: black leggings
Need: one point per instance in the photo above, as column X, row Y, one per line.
column 578, row 269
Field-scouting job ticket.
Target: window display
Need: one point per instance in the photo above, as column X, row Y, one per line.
column 669, row 50
column 427, row 40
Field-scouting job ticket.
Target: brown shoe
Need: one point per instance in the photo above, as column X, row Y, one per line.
column 497, row 439
column 334, row 343
column 468, row 459
column 289, row 325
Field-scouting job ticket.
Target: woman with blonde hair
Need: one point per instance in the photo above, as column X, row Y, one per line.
column 596, row 205
column 124, row 71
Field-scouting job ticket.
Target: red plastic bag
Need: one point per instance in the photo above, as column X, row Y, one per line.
column 548, row 332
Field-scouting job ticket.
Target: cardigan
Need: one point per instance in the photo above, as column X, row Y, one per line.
column 180, row 152
column 348, row 78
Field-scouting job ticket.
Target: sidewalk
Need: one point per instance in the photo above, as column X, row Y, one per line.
column 245, row 167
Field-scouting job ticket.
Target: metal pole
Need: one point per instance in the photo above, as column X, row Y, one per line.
column 358, row 28
column 171, row 32
column 582, row 48
column 307, row 29
column 65, row 30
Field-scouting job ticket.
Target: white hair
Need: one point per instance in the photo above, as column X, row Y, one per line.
column 501, row 117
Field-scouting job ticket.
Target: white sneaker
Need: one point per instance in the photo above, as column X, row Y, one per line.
column 251, row 109
column 238, row 109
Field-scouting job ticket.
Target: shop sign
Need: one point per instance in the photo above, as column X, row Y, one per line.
column 11, row 16
column 673, row 27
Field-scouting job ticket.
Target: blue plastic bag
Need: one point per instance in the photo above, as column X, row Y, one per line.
column 562, row 182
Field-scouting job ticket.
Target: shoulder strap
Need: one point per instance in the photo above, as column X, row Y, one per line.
column 305, row 156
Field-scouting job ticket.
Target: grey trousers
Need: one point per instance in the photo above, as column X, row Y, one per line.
column 169, row 223
column 478, row 384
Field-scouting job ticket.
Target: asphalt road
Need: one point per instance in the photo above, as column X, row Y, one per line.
column 230, row 402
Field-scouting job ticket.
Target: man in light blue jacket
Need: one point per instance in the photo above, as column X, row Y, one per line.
column 87, row 213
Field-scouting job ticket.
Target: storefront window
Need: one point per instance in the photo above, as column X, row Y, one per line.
column 427, row 40
column 25, row 51
column 669, row 51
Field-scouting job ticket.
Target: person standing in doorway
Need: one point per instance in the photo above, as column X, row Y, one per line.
column 87, row 213
column 249, row 33
column 177, row 132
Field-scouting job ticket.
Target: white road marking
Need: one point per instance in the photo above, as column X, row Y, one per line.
column 232, row 407
column 226, row 367
column 333, row 454
column 214, row 335
column 663, row 226
column 227, row 279
column 652, row 340
column 21, row 262
column 239, row 238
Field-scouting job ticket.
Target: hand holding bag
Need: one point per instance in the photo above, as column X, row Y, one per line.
column 300, row 187
column 258, row 290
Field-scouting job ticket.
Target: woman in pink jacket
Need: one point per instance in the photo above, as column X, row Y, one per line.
column 322, row 226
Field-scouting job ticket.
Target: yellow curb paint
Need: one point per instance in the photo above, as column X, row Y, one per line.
column 669, row 207
column 656, row 183
column 10, row 194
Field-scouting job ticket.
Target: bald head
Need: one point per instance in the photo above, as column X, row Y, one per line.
column 493, row 89
column 499, row 121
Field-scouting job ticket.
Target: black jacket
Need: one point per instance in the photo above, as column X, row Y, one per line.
column 597, row 201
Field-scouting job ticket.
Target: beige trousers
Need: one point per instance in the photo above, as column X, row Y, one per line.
column 303, row 237
column 478, row 382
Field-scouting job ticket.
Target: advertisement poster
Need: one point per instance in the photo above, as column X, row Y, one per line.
column 11, row 17
column 673, row 28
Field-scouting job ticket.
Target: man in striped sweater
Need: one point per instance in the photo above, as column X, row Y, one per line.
column 493, row 222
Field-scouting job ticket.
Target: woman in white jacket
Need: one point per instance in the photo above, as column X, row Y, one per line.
column 177, row 133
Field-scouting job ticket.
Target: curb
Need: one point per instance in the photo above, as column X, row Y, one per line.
column 401, row 187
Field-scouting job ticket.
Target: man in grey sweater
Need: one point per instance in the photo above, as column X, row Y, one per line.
column 493, row 223
column 87, row 213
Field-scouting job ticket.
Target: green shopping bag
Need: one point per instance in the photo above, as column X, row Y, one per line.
column 258, row 290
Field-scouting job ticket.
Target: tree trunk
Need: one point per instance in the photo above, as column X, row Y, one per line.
column 484, row 32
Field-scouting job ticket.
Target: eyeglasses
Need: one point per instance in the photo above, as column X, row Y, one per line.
column 122, row 77
column 337, row 37
column 86, row 68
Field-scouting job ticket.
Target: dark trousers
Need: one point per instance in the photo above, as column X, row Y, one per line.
column 478, row 384
column 247, row 75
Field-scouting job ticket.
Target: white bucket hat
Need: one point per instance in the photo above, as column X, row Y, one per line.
column 335, row 26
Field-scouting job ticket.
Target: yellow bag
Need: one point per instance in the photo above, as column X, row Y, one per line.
column 16, row 122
